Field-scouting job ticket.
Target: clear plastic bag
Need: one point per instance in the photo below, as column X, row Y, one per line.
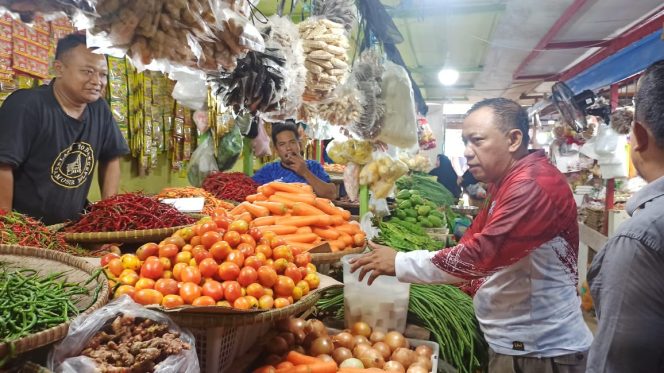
column 343, row 151
column 63, row 357
column 202, row 162
column 400, row 121
column 381, row 174
column 352, row 181
column 260, row 145
column 48, row 9
column 229, row 149
column 190, row 89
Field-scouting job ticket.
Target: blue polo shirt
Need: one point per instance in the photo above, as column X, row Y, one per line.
column 276, row 172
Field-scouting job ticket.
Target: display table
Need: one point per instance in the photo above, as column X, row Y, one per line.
column 588, row 239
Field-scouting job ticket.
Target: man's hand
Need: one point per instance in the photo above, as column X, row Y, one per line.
column 380, row 261
column 295, row 163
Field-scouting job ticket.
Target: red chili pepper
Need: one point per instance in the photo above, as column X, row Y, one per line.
column 234, row 186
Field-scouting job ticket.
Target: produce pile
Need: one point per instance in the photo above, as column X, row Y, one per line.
column 33, row 302
column 413, row 208
column 418, row 162
column 428, row 188
column 18, row 229
column 129, row 211
column 211, row 202
column 231, row 186
column 351, row 150
column 219, row 261
column 380, row 175
column 307, row 346
column 303, row 220
column 133, row 344
column 405, row 236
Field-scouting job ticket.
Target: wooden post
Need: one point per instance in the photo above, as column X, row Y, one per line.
column 319, row 152
column 364, row 200
column 611, row 183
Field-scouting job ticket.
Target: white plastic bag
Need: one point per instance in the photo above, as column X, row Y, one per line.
column 203, row 162
column 260, row 145
column 190, row 90
column 64, row 356
column 352, row 181
column 400, row 126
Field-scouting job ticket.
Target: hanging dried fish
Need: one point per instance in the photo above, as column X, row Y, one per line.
column 368, row 72
column 340, row 11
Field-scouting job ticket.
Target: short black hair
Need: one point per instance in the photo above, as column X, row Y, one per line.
column 510, row 115
column 278, row 128
column 68, row 43
column 649, row 101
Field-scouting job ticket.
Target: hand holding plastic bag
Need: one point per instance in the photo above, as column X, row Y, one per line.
column 64, row 358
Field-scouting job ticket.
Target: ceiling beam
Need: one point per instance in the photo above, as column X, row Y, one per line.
column 446, row 88
column 459, row 8
column 436, row 69
column 567, row 16
column 577, row 44
column 545, row 77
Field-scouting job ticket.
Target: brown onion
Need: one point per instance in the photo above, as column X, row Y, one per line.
column 377, row 336
column 383, row 349
column 360, row 348
column 288, row 337
column 341, row 354
column 352, row 363
column 325, row 357
column 424, row 350
column 423, row 361
column 395, row 340
column 320, row 346
column 299, row 349
column 277, row 346
column 361, row 339
column 273, row 359
column 405, row 356
column 372, row 359
column 316, row 327
column 417, row 368
column 361, row 328
column 394, row 366
column 344, row 339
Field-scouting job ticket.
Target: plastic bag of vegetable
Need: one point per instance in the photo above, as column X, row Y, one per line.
column 202, row 162
column 175, row 350
column 229, row 149
column 400, row 121
column 351, row 181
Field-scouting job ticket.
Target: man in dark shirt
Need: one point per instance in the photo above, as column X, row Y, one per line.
column 52, row 137
column 627, row 276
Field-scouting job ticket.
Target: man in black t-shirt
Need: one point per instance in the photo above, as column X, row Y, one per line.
column 53, row 136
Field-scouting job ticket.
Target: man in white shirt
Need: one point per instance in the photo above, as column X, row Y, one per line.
column 520, row 254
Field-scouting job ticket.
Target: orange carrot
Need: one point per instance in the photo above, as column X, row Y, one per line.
column 297, row 197
column 337, row 245
column 266, row 220
column 285, row 364
column 326, row 233
column 301, row 221
column 348, row 228
column 278, row 229
column 337, row 220
column 358, row 239
column 295, row 188
column 304, row 237
column 347, row 239
column 239, row 209
column 287, row 202
column 256, row 197
column 276, row 208
column 298, row 359
column 245, row 216
column 327, row 206
column 255, row 210
column 305, row 209
column 266, row 190
column 324, row 367
column 304, row 230
column 303, row 246
column 265, row 369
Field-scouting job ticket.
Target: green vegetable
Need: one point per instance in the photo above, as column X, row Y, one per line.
column 331, row 303
column 427, row 187
column 411, row 219
column 435, row 221
column 423, row 210
column 405, row 205
column 406, row 236
column 404, row 194
column 411, row 212
column 401, row 214
column 449, row 314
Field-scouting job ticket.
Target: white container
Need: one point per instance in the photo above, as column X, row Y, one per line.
column 383, row 305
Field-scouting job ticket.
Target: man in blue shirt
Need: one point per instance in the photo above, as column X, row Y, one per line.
column 292, row 168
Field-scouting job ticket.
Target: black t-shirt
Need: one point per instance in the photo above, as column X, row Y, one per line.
column 54, row 155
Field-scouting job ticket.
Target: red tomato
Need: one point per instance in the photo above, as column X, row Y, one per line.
column 239, row 226
column 210, row 238
column 247, row 238
column 213, row 289
column 304, row 286
column 166, row 286
column 115, row 267
column 201, row 254
column 183, row 257
column 313, row 280
column 223, row 222
column 255, row 290
column 233, row 238
column 304, row 271
column 311, row 268
column 284, row 286
column 253, row 261
column 236, row 257
column 166, row 263
column 189, row 291
column 246, row 249
column 107, row 258
column 264, row 241
column 177, row 270
column 268, row 236
column 266, row 302
column 280, row 265
column 277, row 241
column 232, row 291
column 293, row 272
column 303, row 259
column 208, row 267
column 191, row 274
column 256, row 234
column 242, row 303
column 282, row 251
column 168, row 251
column 295, row 250
column 124, row 289
column 175, row 240
column 206, row 227
column 267, row 276
column 219, row 211
column 148, row 296
column 203, row 301
column 265, row 249
column 172, row 301
column 228, row 271
column 281, row 302
column 220, row 251
column 247, row 276
column 152, row 269
column 195, row 241
column 144, row 283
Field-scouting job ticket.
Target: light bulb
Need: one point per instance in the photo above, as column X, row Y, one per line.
column 448, row 76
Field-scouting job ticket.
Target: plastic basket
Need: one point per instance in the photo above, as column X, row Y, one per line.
column 218, row 348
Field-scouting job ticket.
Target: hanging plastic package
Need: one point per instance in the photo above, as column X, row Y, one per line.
column 261, row 144
column 48, row 9
column 400, row 127
column 229, row 149
column 190, row 89
column 66, row 357
column 352, row 181
column 202, row 162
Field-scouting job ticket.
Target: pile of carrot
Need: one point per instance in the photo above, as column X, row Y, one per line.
column 303, row 220
column 211, row 202
column 296, row 362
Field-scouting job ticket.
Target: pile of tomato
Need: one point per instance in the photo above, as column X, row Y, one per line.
column 219, row 261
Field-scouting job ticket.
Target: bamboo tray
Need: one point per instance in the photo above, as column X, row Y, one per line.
column 331, row 258
column 47, row 261
column 136, row 236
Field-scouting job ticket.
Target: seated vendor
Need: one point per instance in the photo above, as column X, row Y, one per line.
column 292, row 168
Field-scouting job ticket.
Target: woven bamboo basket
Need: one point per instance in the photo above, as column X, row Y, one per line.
column 331, row 258
column 137, row 236
column 48, row 261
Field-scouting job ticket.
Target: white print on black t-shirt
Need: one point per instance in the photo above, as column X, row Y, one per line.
column 73, row 165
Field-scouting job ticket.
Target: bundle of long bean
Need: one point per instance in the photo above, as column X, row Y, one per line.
column 31, row 302
column 211, row 202
column 129, row 211
column 428, row 187
column 405, row 236
column 18, row 229
column 331, row 303
column 449, row 314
